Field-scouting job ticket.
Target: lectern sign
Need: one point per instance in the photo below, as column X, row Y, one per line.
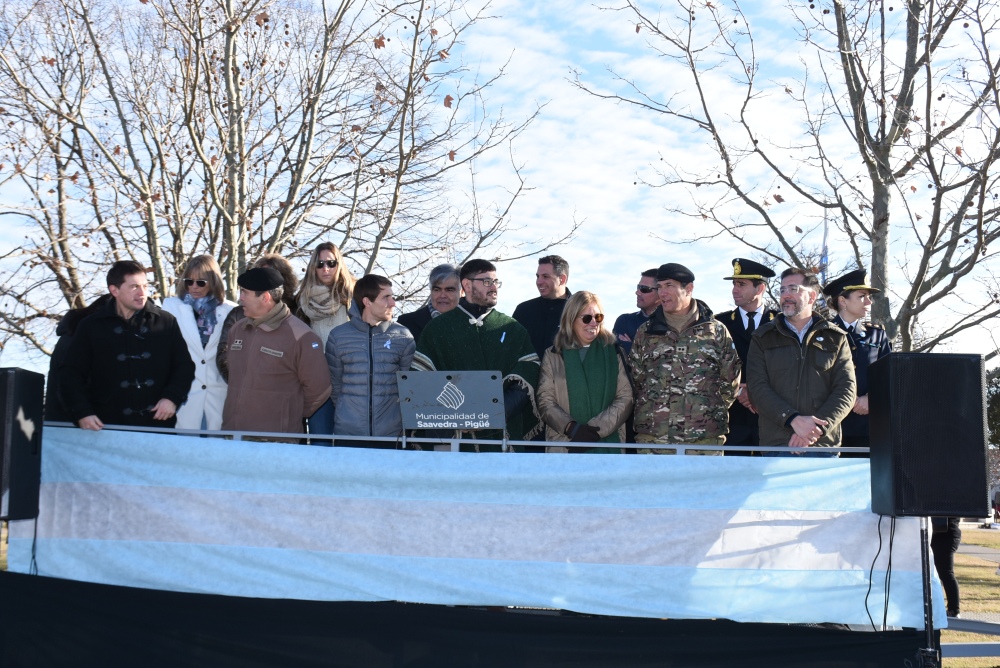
column 466, row 400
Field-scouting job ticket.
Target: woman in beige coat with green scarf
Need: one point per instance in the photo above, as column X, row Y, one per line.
column 584, row 393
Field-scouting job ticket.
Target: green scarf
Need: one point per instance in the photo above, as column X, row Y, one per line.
column 592, row 383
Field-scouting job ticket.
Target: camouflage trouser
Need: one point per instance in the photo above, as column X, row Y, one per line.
column 716, row 440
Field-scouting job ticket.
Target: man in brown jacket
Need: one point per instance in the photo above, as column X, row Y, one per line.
column 277, row 369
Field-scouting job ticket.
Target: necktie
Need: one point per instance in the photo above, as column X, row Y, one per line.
column 750, row 325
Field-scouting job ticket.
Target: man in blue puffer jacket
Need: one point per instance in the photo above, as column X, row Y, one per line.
column 364, row 355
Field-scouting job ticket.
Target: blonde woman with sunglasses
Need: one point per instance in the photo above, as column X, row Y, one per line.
column 201, row 308
column 323, row 303
column 584, row 394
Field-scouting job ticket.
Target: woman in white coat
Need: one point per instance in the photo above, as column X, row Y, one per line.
column 200, row 308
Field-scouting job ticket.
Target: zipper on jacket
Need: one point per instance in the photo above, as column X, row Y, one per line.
column 371, row 382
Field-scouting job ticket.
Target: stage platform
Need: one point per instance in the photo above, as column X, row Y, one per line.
column 736, row 552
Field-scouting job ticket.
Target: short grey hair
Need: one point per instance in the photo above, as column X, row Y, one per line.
column 443, row 272
column 276, row 294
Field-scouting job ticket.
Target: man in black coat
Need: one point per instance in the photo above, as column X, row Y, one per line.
column 128, row 363
column 749, row 285
column 540, row 316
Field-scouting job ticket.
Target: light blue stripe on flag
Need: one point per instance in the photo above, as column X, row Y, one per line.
column 778, row 540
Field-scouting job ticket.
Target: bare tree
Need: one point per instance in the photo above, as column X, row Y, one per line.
column 164, row 129
column 899, row 137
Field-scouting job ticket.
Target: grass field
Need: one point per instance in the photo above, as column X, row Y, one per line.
column 980, row 592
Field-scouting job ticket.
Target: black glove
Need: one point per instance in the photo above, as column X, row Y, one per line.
column 514, row 399
column 585, row 433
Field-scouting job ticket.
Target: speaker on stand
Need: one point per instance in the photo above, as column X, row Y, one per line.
column 21, row 405
column 928, row 435
column 927, row 429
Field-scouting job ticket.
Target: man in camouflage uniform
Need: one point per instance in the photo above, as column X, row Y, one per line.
column 686, row 369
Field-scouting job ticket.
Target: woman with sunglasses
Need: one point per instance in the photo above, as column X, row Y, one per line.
column 322, row 303
column 584, row 393
column 200, row 308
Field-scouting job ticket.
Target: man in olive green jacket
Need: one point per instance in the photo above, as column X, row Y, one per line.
column 800, row 373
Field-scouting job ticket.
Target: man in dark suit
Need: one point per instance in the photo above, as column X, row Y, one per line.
column 749, row 285
column 850, row 295
column 540, row 316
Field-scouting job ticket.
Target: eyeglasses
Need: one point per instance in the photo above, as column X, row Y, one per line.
column 200, row 282
column 329, row 264
column 791, row 289
column 489, row 282
column 599, row 317
column 645, row 289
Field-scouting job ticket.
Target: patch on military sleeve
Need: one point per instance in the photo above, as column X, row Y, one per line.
column 271, row 351
column 315, row 344
column 237, row 345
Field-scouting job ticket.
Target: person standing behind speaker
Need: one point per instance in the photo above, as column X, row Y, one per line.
column 944, row 544
column 128, row 363
column 55, row 411
column 200, row 308
column 850, row 295
column 322, row 303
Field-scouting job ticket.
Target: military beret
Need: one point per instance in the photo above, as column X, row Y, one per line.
column 674, row 271
column 852, row 280
column 260, row 279
column 748, row 269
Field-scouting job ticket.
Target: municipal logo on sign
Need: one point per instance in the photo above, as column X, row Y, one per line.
column 451, row 397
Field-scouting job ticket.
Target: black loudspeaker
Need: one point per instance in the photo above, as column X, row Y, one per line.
column 927, row 425
column 21, row 402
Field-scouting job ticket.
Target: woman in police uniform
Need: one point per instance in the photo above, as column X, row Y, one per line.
column 851, row 296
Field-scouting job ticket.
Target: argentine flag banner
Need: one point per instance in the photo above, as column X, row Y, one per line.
column 783, row 540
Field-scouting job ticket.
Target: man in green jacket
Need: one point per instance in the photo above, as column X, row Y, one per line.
column 800, row 373
column 476, row 337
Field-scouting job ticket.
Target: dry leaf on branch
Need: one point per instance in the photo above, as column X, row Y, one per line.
column 778, row 198
column 380, row 42
column 451, row 156
column 261, row 18
column 448, row 99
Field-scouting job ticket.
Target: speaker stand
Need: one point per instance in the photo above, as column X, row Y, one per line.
column 929, row 656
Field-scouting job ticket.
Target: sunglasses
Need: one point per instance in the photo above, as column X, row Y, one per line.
column 329, row 264
column 645, row 289
column 599, row 317
column 200, row 282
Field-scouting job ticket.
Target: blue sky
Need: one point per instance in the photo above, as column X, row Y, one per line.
column 582, row 157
